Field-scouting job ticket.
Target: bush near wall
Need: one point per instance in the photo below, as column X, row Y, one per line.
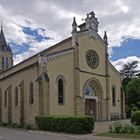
column 124, row 128
column 135, row 118
column 75, row 125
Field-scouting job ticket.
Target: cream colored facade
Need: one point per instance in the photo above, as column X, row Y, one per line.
column 85, row 90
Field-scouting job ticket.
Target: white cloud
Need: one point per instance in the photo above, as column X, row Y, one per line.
column 120, row 19
column 119, row 63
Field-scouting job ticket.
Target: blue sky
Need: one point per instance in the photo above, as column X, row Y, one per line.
column 33, row 33
column 130, row 47
column 32, row 26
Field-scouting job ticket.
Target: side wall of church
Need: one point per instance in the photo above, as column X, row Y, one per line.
column 20, row 79
column 115, row 82
column 61, row 66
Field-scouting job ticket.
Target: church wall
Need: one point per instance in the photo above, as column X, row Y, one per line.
column 61, row 66
column 115, row 80
column 84, row 77
column 20, row 66
column 62, row 46
column 99, row 73
column 8, row 55
column 25, row 76
column 86, row 43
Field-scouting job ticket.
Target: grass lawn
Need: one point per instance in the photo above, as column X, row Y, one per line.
column 115, row 135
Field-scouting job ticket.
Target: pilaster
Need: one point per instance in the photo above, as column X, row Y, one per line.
column 43, row 86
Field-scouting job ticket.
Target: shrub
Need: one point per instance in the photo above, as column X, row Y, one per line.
column 135, row 118
column 65, row 124
column 28, row 126
column 3, row 123
column 116, row 127
column 137, row 130
column 119, row 127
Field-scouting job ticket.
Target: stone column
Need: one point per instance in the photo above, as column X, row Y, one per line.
column 100, row 114
column 46, row 96
column 9, row 104
column 123, row 114
column 43, row 86
column 97, row 109
column 77, row 98
column 19, row 102
column 107, row 83
column 22, row 102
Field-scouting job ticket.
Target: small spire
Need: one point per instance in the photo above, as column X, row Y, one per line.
column 74, row 22
column 105, row 38
column 74, row 26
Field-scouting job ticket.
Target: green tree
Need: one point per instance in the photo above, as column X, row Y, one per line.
column 133, row 94
column 127, row 72
column 129, row 69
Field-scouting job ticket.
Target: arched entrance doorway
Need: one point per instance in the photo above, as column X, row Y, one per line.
column 93, row 98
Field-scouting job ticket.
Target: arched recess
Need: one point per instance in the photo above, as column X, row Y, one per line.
column 62, row 77
column 22, row 102
column 61, row 89
column 31, row 93
column 43, row 82
column 93, row 100
column 113, row 91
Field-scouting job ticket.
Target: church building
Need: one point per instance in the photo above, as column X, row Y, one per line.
column 74, row 78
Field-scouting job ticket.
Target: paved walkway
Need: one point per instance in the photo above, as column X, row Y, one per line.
column 99, row 127
column 104, row 126
column 15, row 134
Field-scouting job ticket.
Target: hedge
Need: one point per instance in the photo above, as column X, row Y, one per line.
column 66, row 124
column 135, row 118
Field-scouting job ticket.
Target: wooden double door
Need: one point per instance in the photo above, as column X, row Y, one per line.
column 90, row 107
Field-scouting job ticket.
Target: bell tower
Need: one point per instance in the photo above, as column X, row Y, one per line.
column 6, row 55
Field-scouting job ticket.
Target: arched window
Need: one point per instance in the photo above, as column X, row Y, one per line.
column 31, row 93
column 89, row 91
column 113, row 96
column 5, row 98
column 2, row 63
column 16, row 96
column 6, row 62
column 60, row 91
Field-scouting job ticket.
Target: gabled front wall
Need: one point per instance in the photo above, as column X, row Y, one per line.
column 86, row 43
column 99, row 73
column 106, row 77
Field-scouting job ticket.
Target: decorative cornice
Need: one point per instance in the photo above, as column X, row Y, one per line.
column 54, row 56
column 83, row 71
column 91, row 34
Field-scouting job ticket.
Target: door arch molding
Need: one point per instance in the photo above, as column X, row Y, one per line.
column 94, row 102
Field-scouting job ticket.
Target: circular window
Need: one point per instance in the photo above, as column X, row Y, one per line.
column 89, row 91
column 92, row 58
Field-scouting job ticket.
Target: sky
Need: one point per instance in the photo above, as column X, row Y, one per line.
column 31, row 26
